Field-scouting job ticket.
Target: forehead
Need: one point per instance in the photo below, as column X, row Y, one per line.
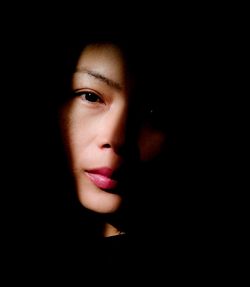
column 95, row 55
column 106, row 60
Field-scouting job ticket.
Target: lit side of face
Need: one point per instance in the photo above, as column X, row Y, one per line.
column 94, row 125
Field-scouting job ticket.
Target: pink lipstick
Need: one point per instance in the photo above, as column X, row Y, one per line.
column 101, row 177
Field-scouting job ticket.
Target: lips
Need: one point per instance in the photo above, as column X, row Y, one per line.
column 102, row 177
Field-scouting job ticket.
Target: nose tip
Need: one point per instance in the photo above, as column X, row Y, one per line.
column 116, row 143
column 112, row 133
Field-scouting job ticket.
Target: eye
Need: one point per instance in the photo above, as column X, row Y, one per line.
column 154, row 115
column 150, row 111
column 90, row 97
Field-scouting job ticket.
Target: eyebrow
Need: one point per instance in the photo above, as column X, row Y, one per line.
column 102, row 78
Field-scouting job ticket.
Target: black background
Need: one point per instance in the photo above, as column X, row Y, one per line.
column 30, row 57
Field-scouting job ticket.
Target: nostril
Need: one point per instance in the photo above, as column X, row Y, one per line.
column 118, row 148
column 106, row 145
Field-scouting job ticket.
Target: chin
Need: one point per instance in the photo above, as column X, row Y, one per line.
column 101, row 201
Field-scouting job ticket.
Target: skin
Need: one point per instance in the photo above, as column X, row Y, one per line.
column 94, row 124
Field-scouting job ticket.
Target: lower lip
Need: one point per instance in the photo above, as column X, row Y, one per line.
column 102, row 181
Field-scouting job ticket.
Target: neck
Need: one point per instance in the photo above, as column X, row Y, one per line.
column 111, row 230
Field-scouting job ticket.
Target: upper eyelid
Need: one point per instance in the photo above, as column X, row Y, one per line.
column 80, row 92
column 86, row 90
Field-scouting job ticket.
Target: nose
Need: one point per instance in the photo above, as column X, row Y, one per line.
column 112, row 131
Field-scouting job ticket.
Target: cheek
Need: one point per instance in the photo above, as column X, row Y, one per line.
column 151, row 143
column 76, row 134
column 79, row 140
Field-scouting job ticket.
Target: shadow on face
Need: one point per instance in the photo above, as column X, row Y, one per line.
column 103, row 137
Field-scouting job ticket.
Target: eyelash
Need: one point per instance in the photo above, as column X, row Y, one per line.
column 90, row 97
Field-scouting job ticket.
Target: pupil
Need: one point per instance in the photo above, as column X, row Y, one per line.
column 91, row 97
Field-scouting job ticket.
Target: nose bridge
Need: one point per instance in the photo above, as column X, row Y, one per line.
column 113, row 130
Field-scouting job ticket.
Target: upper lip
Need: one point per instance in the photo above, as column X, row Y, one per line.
column 105, row 171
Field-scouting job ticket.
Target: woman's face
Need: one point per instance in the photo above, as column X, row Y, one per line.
column 95, row 128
